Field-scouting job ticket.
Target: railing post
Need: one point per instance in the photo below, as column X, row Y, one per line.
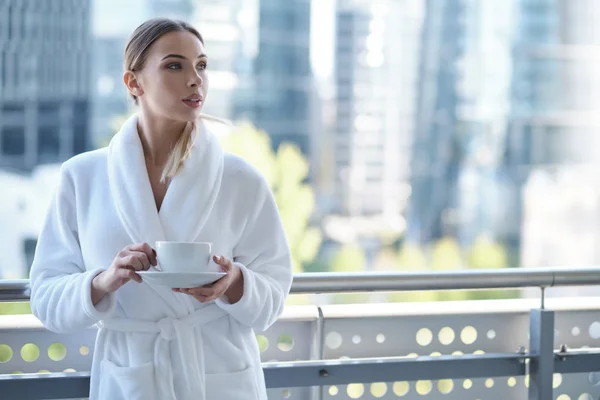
column 318, row 349
column 541, row 345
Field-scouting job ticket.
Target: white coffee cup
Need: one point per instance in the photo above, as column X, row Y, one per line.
column 184, row 256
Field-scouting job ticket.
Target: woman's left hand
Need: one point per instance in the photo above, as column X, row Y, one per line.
column 231, row 285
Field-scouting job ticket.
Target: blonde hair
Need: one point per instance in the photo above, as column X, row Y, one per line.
column 183, row 147
column 136, row 53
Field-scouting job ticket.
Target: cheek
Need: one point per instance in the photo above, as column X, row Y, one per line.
column 165, row 91
column 205, row 81
column 160, row 84
column 167, row 82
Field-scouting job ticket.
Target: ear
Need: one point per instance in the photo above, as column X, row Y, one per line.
column 132, row 83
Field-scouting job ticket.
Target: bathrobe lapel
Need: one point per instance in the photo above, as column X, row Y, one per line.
column 187, row 204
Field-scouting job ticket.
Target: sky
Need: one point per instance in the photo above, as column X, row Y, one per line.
column 322, row 37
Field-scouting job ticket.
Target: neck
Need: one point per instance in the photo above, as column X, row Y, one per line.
column 158, row 136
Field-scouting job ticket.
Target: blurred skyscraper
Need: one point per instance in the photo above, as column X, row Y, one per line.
column 259, row 65
column 277, row 85
column 44, row 81
column 505, row 88
column 436, row 151
column 484, row 102
column 231, row 40
column 181, row 9
column 556, row 88
column 555, row 92
column 465, row 101
column 377, row 57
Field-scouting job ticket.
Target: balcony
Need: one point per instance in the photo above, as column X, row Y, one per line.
column 495, row 349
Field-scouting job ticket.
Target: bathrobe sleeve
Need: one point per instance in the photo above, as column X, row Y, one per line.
column 264, row 258
column 60, row 285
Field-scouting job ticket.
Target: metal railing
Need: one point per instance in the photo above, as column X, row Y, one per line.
column 540, row 362
column 326, row 282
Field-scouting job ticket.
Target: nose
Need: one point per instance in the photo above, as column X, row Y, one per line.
column 195, row 81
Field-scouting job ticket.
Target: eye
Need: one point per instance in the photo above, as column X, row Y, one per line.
column 202, row 65
column 174, row 66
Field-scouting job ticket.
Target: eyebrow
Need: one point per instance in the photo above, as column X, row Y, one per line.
column 181, row 57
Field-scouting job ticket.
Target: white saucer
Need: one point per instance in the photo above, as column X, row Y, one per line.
column 180, row 279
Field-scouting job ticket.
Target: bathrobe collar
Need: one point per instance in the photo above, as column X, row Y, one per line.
column 189, row 200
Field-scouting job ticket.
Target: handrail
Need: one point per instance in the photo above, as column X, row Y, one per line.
column 14, row 290
column 509, row 278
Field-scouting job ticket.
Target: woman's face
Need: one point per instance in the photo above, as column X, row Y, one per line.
column 173, row 82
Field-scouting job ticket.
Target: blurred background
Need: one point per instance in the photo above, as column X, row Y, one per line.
column 396, row 134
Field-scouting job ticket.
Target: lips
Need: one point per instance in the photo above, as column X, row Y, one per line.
column 193, row 100
column 194, row 97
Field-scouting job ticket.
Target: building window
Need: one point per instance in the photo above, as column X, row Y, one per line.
column 48, row 143
column 48, row 112
column 13, row 108
column 3, row 70
column 10, row 23
column 13, row 140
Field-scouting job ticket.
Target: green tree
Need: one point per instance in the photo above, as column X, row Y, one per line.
column 412, row 258
column 446, row 255
column 16, row 308
column 349, row 258
column 386, row 260
column 286, row 171
column 487, row 253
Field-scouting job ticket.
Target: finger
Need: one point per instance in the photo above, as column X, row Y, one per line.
column 213, row 297
column 201, row 299
column 204, row 292
column 150, row 253
column 143, row 248
column 128, row 262
column 143, row 258
column 218, row 286
column 223, row 262
column 129, row 274
column 146, row 249
column 132, row 261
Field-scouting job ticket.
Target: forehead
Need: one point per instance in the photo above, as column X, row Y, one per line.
column 182, row 43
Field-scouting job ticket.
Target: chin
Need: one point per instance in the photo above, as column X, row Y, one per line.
column 189, row 115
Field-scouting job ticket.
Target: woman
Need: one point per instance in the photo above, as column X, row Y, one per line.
column 163, row 177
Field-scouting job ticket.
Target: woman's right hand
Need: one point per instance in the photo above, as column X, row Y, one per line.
column 135, row 257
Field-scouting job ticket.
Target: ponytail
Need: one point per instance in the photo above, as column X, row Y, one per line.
column 183, row 147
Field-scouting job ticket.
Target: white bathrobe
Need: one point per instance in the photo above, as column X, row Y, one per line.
column 154, row 344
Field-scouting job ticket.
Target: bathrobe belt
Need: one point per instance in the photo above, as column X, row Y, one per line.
column 190, row 347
